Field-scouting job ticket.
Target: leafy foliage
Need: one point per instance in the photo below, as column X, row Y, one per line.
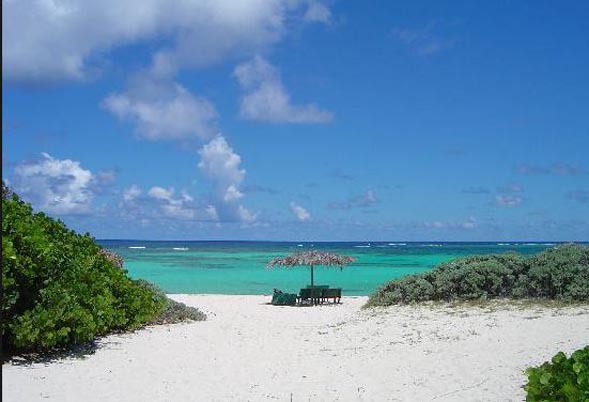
column 558, row 273
column 173, row 311
column 59, row 287
column 562, row 379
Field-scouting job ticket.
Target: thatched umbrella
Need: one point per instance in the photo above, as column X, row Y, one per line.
column 312, row 259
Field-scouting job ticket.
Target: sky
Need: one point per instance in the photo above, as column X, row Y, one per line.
column 300, row 120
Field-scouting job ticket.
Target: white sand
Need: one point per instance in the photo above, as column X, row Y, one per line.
column 248, row 350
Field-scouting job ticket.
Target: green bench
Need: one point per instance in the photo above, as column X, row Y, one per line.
column 334, row 293
column 319, row 294
column 312, row 295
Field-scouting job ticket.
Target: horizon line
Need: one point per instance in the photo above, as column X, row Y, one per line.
column 348, row 241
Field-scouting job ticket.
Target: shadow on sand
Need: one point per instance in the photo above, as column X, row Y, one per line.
column 82, row 351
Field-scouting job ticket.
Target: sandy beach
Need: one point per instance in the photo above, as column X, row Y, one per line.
column 248, row 350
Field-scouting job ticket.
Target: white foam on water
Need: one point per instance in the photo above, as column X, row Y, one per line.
column 137, row 247
column 180, row 248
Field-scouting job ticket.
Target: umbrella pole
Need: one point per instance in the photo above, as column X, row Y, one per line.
column 312, row 286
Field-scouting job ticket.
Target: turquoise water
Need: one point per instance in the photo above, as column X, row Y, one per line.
column 240, row 267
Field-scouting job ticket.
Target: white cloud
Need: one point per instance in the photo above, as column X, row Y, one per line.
column 232, row 193
column 161, row 204
column 211, row 213
column 131, row 193
column 160, row 193
column 163, row 109
column 468, row 224
column 47, row 41
column 266, row 99
column 182, row 207
column 317, row 12
column 507, row 200
column 220, row 164
column 301, row 213
column 55, row 186
column 245, row 215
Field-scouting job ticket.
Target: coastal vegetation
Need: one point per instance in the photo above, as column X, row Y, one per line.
column 61, row 288
column 559, row 273
column 561, row 379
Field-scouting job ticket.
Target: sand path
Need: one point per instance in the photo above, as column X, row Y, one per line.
column 250, row 351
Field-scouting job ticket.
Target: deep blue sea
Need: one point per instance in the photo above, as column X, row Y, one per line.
column 239, row 267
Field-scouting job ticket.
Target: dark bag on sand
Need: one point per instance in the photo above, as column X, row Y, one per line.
column 280, row 298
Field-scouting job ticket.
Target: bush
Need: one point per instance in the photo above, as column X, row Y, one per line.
column 561, row 380
column 173, row 311
column 59, row 287
column 558, row 273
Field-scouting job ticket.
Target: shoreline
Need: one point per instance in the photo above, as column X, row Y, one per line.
column 250, row 350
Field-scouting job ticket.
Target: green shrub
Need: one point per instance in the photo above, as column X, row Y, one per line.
column 477, row 277
column 59, row 287
column 173, row 311
column 561, row 272
column 558, row 273
column 561, row 379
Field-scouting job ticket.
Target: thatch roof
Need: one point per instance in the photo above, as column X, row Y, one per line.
column 312, row 258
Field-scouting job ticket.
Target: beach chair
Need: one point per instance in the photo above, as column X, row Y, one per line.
column 280, row 298
column 334, row 293
column 304, row 296
column 317, row 295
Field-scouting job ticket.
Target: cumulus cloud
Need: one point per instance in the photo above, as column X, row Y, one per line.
column 507, row 200
column 266, row 99
column 221, row 165
column 301, row 213
column 180, row 207
column 160, row 204
column 508, row 196
column 162, row 109
column 48, row 41
column 55, row 186
column 358, row 201
column 468, row 224
column 131, row 193
column 317, row 12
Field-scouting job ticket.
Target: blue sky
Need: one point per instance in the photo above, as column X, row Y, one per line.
column 300, row 119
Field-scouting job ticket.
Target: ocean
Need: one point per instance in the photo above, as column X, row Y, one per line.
column 239, row 267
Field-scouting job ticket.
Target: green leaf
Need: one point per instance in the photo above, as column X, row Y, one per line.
column 545, row 378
